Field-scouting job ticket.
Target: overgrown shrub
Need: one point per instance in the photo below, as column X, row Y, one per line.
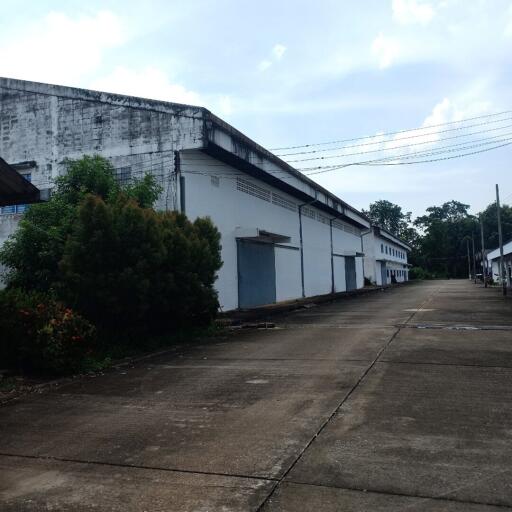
column 129, row 268
column 101, row 249
column 39, row 334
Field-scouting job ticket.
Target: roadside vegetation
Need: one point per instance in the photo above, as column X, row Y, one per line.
column 97, row 273
column 439, row 238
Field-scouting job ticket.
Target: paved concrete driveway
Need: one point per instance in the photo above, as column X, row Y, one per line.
column 393, row 401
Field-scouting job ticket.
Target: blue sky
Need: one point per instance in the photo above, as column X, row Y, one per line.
column 294, row 72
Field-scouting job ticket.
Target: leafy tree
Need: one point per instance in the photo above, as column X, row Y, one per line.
column 390, row 216
column 490, row 221
column 443, row 244
column 103, row 250
column 33, row 253
column 387, row 215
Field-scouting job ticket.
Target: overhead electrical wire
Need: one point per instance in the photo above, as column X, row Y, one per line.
column 324, row 150
column 386, row 134
column 395, row 148
column 392, row 160
column 461, row 147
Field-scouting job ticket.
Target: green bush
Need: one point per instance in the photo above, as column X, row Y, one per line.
column 102, row 250
column 41, row 335
column 129, row 268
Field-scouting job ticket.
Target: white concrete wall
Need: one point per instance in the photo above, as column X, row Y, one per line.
column 231, row 209
column 287, row 269
column 396, row 258
column 340, row 283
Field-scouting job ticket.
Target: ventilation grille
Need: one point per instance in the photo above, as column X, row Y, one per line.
column 309, row 212
column 323, row 219
column 283, row 202
column 252, row 189
column 346, row 227
column 124, row 175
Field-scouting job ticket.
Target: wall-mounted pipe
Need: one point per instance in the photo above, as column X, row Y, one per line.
column 301, row 240
column 332, row 256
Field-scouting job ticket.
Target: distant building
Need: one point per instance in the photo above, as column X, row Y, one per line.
column 385, row 257
column 283, row 235
column 493, row 263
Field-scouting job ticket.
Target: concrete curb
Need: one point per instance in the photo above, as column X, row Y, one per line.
column 263, row 313
column 56, row 383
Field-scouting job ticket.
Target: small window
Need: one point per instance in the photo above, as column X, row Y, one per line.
column 124, row 175
column 215, row 181
column 382, row 248
column 387, row 272
column 386, row 249
column 19, row 208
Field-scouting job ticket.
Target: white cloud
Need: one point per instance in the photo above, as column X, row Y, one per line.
column 58, row 48
column 277, row 54
column 224, row 106
column 508, row 28
column 446, row 111
column 148, row 82
column 278, row 51
column 411, row 11
column 264, row 64
column 153, row 83
column 386, row 50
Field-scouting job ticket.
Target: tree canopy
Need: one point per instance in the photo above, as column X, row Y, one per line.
column 439, row 238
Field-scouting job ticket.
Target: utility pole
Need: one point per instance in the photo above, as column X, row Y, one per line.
column 500, row 235
column 474, row 259
column 469, row 259
column 484, row 262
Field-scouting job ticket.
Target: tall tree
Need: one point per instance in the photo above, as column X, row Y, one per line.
column 490, row 222
column 446, row 230
column 390, row 216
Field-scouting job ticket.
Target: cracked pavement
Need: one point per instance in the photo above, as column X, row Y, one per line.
column 390, row 401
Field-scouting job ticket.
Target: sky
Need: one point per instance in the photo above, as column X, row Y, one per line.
column 294, row 73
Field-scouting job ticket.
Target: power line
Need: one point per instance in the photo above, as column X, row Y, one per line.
column 397, row 147
column 381, row 162
column 410, row 137
column 392, row 133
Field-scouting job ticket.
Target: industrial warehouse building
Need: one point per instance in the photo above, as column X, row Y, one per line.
column 283, row 236
column 385, row 257
column 493, row 263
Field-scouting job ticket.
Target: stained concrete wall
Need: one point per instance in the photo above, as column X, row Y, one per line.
column 46, row 124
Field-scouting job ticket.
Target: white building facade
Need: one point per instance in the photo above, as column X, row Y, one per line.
column 385, row 257
column 283, row 236
column 493, row 263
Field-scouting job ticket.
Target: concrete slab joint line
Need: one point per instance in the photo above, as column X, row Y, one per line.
column 330, row 416
column 346, row 397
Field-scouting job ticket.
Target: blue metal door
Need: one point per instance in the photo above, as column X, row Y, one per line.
column 350, row 273
column 383, row 273
column 256, row 274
